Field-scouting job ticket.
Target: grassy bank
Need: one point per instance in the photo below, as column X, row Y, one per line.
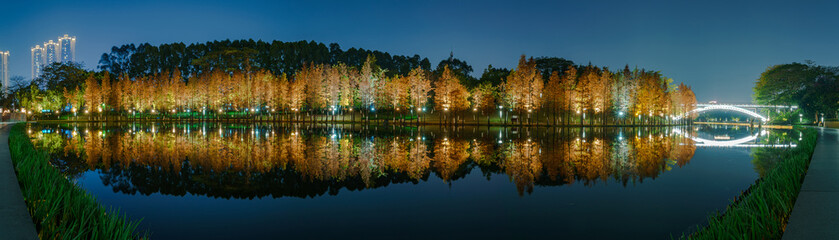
column 60, row 209
column 763, row 210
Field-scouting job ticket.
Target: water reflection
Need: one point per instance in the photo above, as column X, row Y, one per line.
column 247, row 161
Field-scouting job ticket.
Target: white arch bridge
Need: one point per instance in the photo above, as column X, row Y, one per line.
column 748, row 109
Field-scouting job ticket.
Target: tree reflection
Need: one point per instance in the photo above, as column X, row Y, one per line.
column 246, row 161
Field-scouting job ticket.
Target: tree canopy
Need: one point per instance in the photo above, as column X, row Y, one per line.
column 813, row 88
column 277, row 57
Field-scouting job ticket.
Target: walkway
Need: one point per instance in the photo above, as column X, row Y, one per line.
column 15, row 222
column 816, row 211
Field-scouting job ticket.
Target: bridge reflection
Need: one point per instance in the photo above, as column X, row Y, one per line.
column 750, row 141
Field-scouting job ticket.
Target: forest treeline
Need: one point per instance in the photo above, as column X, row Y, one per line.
column 289, row 79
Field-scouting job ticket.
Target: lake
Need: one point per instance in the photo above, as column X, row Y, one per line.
column 256, row 181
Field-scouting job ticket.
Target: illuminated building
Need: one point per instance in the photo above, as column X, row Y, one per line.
column 67, row 48
column 4, row 71
column 37, row 61
column 51, row 52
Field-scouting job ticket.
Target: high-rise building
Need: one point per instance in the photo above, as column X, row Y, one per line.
column 37, row 61
column 67, row 48
column 4, row 71
column 51, row 52
column 62, row 51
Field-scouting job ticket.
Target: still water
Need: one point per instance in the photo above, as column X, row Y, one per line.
column 211, row 181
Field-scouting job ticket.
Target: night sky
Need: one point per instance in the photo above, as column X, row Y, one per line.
column 719, row 48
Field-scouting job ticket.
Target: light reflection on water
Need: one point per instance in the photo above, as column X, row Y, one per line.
column 203, row 162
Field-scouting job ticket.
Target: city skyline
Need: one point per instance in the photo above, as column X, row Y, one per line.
column 62, row 51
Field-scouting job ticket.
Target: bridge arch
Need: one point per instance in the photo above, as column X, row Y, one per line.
column 725, row 107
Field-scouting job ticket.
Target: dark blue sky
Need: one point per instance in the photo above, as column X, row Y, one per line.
column 719, row 48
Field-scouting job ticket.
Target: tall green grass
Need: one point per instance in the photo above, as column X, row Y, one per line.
column 763, row 210
column 60, row 209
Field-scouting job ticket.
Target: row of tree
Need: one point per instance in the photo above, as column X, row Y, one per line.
column 330, row 90
column 259, row 79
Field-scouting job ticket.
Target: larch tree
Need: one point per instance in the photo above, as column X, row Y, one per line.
column 623, row 89
column 316, row 97
column 585, row 90
column 523, row 88
column 105, row 93
column 396, row 93
column 420, row 87
column 554, row 95
column 568, row 84
column 368, row 84
column 297, row 92
column 332, row 86
column 346, row 84
column 483, row 98
column 279, row 93
column 91, row 93
column 449, row 93
column 601, row 93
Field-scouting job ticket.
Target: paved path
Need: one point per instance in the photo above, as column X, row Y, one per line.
column 15, row 222
column 816, row 211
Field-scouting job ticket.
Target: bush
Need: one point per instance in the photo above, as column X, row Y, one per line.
column 59, row 208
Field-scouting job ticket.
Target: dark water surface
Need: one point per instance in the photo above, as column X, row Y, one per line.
column 257, row 181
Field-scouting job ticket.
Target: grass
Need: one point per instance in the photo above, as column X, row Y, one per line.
column 763, row 210
column 59, row 208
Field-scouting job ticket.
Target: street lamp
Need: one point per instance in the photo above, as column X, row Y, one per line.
column 822, row 119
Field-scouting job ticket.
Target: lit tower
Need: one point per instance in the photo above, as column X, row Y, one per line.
column 37, row 61
column 51, row 50
column 67, row 48
column 4, row 71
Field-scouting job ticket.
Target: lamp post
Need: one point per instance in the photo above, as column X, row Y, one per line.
column 822, row 120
